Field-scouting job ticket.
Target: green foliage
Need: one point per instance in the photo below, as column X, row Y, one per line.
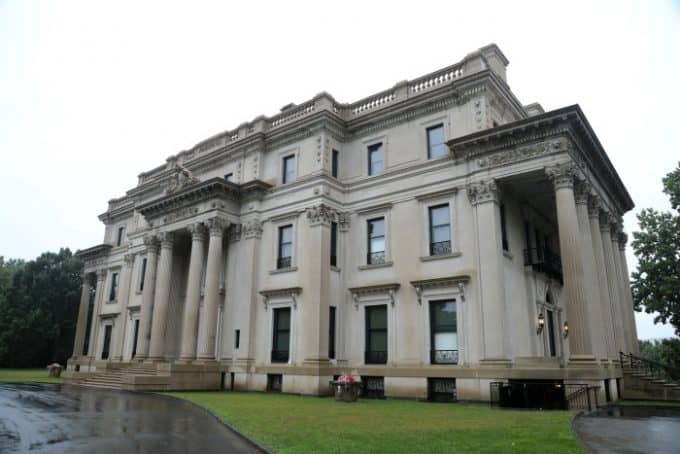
column 656, row 282
column 38, row 309
column 665, row 351
column 26, row 375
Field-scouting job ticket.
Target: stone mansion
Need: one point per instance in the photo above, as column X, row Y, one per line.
column 431, row 238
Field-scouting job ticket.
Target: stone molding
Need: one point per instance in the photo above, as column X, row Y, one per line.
column 290, row 292
column 386, row 289
column 451, row 281
column 151, row 243
column 605, row 223
column 483, row 191
column 525, row 152
column 562, row 175
column 252, row 229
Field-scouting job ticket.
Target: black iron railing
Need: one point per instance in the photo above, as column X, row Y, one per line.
column 283, row 262
column 375, row 357
column 544, row 395
column 441, row 389
column 440, row 248
column 651, row 367
column 544, row 261
column 279, row 356
column 375, row 258
column 444, row 356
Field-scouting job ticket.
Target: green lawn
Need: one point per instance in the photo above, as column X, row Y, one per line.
column 288, row 423
column 23, row 375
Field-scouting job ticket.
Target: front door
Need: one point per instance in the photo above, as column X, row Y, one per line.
column 134, row 339
column 107, row 341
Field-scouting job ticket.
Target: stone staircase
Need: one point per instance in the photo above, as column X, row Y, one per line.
column 113, row 378
column 649, row 380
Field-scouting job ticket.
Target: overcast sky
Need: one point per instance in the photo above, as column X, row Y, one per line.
column 92, row 93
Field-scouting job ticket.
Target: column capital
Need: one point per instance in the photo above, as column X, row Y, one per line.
column 623, row 239
column 234, row 232
column 606, row 220
column 101, row 275
column 344, row 221
column 216, row 226
column 562, row 175
column 166, row 239
column 483, row 191
column 252, row 229
column 321, row 214
column 594, row 206
column 151, row 242
column 197, row 231
column 128, row 259
column 581, row 192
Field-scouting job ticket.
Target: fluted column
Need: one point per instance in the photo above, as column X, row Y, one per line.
column 594, row 317
column 629, row 307
column 81, row 324
column 601, row 274
column 161, row 297
column 193, row 298
column 144, row 334
column 483, row 196
column 208, row 321
column 575, row 288
column 123, row 298
column 94, row 323
column 612, row 283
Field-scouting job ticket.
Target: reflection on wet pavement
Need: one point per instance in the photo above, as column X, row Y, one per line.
column 630, row 430
column 63, row 418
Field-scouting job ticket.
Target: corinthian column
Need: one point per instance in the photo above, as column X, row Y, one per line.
column 208, row 322
column 161, row 297
column 597, row 334
column 629, row 307
column 81, row 324
column 612, row 282
column 601, row 274
column 575, row 287
column 145, row 313
column 483, row 196
column 123, row 298
column 94, row 323
column 193, row 298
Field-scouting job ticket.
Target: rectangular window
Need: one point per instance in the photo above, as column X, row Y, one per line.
column 334, row 244
column 142, row 275
column 376, row 162
column 114, row 287
column 134, row 339
column 284, row 259
column 440, row 230
column 288, row 169
column 443, row 332
column 376, row 241
column 376, row 334
column 374, row 387
column 281, row 341
column 229, row 177
column 107, row 341
column 237, row 338
column 551, row 334
column 504, row 231
column 334, row 163
column 331, row 333
column 274, row 383
column 436, row 148
column 441, row 389
column 119, row 239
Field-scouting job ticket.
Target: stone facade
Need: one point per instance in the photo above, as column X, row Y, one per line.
column 227, row 265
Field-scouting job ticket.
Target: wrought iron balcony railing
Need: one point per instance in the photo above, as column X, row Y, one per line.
column 440, row 248
column 375, row 258
column 279, row 356
column 283, row 262
column 375, row 357
column 544, row 261
column 444, row 356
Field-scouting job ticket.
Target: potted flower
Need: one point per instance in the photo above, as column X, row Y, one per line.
column 346, row 388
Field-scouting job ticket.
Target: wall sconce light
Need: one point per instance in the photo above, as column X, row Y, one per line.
column 540, row 323
column 565, row 329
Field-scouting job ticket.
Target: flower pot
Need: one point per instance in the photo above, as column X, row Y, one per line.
column 346, row 392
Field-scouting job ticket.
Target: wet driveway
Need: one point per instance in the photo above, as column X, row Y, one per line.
column 630, row 430
column 63, row 418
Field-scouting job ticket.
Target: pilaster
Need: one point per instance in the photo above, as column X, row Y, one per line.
column 94, row 324
column 123, row 299
column 144, row 334
column 193, row 295
column 161, row 297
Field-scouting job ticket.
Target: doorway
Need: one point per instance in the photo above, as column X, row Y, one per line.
column 107, row 341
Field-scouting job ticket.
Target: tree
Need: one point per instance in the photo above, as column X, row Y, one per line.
column 38, row 310
column 665, row 351
column 656, row 282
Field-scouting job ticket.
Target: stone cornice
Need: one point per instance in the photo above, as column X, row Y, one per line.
column 568, row 122
column 94, row 252
column 457, row 281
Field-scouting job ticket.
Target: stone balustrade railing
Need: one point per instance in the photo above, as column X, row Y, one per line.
column 435, row 79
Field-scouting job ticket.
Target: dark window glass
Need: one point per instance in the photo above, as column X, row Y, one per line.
column 440, row 230
column 504, row 231
column 237, row 338
column 229, row 177
column 114, row 287
column 143, row 275
column 288, row 169
column 334, row 164
column 107, row 341
column 281, row 342
column 436, row 147
column 274, row 383
column 334, row 244
column 443, row 332
column 376, row 241
column 285, row 247
column 331, row 333
column 134, row 339
column 441, row 389
column 374, row 387
column 375, row 159
column 551, row 333
column 119, row 240
column 376, row 334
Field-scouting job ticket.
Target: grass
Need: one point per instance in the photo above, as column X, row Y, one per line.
column 296, row 424
column 24, row 375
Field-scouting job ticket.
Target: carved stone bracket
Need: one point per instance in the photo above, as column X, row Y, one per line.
column 252, row 229
column 525, row 152
column 457, row 282
column 321, row 215
column 482, row 191
column 385, row 289
column 562, row 175
column 290, row 292
column 344, row 221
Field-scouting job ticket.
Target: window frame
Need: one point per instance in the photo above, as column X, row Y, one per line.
column 334, row 244
column 119, row 237
column 370, row 356
column 369, row 252
column 332, row 331
column 505, row 245
column 335, row 163
column 280, row 244
column 113, row 287
column 432, row 227
column 276, row 330
column 436, row 330
column 374, row 148
column 292, row 158
column 142, row 275
column 429, row 143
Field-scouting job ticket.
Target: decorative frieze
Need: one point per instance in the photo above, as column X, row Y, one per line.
column 525, row 152
column 482, row 191
column 562, row 175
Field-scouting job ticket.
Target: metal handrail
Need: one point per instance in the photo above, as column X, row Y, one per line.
column 655, row 368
